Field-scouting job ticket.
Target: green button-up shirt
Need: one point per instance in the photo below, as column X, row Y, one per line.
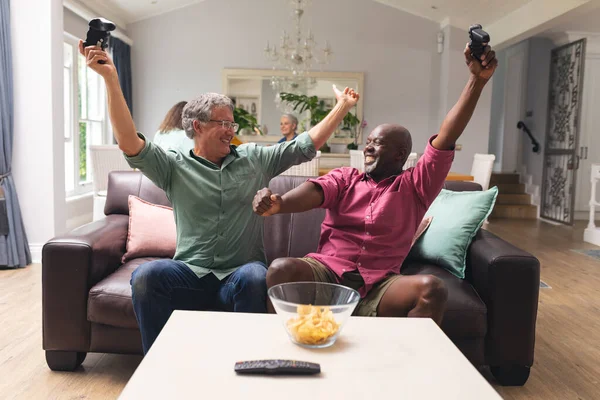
column 217, row 231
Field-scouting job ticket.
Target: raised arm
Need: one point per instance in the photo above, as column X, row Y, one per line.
column 120, row 117
column 345, row 101
column 458, row 117
column 303, row 198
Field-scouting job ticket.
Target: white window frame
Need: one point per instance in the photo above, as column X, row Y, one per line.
column 82, row 188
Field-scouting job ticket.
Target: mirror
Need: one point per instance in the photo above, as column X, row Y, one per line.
column 252, row 91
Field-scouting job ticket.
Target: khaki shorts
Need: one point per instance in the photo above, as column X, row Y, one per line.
column 367, row 306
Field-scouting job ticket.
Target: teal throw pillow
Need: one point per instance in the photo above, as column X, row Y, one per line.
column 457, row 216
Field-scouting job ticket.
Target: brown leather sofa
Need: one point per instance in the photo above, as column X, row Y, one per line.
column 87, row 305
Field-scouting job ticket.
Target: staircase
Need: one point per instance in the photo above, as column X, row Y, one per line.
column 512, row 201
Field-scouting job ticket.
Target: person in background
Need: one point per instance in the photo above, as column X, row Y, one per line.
column 170, row 135
column 288, row 125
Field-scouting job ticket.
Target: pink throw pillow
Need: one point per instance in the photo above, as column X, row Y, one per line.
column 152, row 231
column 425, row 222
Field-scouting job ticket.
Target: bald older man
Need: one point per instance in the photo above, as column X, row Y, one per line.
column 372, row 217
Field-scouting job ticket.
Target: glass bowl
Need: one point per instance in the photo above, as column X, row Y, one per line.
column 313, row 313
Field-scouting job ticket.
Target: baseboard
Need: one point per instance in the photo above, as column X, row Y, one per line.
column 584, row 215
column 550, row 222
column 36, row 252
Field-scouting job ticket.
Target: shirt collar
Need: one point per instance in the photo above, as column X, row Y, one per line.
column 233, row 153
column 367, row 177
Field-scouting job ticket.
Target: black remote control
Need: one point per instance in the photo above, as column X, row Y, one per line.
column 277, row 367
column 479, row 39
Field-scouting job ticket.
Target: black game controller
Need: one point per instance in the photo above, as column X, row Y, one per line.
column 479, row 39
column 99, row 33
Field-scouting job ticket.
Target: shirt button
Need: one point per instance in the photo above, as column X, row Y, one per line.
column 343, row 270
column 368, row 217
column 364, row 248
column 368, row 233
column 359, row 264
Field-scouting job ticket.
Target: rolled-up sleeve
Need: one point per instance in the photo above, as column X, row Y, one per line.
column 280, row 157
column 333, row 184
column 154, row 162
column 430, row 173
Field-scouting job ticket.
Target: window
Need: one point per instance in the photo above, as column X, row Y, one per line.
column 86, row 121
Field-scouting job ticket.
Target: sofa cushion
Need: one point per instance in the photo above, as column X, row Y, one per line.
column 466, row 313
column 152, row 231
column 109, row 302
column 457, row 216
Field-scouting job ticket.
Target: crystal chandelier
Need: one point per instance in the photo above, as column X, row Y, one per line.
column 296, row 54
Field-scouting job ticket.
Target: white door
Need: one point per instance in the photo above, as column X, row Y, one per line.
column 514, row 104
column 589, row 139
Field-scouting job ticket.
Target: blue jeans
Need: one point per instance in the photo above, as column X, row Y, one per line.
column 161, row 286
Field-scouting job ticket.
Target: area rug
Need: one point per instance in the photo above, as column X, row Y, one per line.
column 594, row 253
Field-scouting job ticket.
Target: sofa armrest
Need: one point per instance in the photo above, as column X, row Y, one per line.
column 507, row 279
column 71, row 265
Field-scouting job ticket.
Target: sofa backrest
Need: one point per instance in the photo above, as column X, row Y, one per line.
column 285, row 235
column 121, row 184
column 291, row 235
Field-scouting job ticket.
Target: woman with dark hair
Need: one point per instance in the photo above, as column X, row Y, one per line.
column 170, row 134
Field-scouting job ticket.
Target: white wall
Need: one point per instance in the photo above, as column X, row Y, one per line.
column 508, row 107
column 74, row 24
column 496, row 129
column 38, row 159
column 454, row 75
column 79, row 210
column 538, row 78
column 181, row 54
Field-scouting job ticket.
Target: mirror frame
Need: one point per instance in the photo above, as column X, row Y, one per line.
column 262, row 73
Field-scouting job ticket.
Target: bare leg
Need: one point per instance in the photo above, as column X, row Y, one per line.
column 283, row 270
column 420, row 296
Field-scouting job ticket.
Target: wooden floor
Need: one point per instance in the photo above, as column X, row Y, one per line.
column 567, row 356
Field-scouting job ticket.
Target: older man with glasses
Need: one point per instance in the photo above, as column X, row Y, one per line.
column 220, row 260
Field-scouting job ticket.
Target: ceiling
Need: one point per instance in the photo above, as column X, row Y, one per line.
column 587, row 22
column 461, row 13
column 136, row 10
column 457, row 12
column 508, row 21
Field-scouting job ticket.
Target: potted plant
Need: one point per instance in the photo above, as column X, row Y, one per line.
column 302, row 103
column 358, row 133
column 248, row 123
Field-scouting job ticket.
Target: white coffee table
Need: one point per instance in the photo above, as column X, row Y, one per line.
column 374, row 358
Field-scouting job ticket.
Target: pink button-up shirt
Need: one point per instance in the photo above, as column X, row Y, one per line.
column 369, row 226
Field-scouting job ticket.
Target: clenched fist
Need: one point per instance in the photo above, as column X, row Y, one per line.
column 94, row 54
column 266, row 203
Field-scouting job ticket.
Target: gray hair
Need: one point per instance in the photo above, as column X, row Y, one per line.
column 200, row 109
column 292, row 119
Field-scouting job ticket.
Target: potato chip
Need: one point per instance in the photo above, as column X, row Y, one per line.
column 313, row 325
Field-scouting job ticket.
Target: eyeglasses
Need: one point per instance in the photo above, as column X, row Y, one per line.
column 227, row 124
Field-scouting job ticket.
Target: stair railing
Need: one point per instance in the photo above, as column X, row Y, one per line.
column 536, row 145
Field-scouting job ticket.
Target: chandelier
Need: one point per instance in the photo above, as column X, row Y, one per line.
column 296, row 54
